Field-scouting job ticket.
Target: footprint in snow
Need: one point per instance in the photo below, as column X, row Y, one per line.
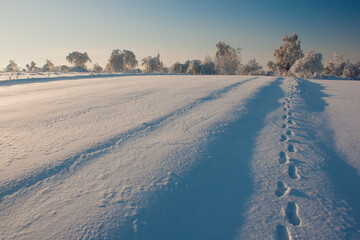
column 284, row 116
column 291, row 121
column 291, row 212
column 283, row 138
column 289, row 133
column 284, row 126
column 282, row 189
column 291, row 148
column 283, row 158
column 292, row 171
column 285, row 109
column 290, row 113
column 282, row 233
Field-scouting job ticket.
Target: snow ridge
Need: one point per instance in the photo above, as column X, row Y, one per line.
column 94, row 152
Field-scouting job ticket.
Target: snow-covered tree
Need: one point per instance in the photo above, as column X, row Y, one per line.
column 153, row 64
column 351, row 70
column 49, row 66
column 207, row 67
column 308, row 66
column 32, row 67
column 179, row 67
column 121, row 61
column 286, row 55
column 336, row 67
column 227, row 59
column 252, row 67
column 78, row 59
column 97, row 68
column 12, row 67
column 194, row 67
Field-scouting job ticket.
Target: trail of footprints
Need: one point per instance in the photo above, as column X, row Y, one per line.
column 282, row 189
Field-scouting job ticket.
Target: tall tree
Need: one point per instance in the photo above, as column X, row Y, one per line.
column 286, row 55
column 227, row 59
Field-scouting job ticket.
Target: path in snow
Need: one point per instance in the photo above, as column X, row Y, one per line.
column 178, row 157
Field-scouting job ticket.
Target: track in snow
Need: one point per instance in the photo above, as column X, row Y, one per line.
column 234, row 157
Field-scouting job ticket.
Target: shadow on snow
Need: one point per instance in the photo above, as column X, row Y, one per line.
column 209, row 202
column 345, row 179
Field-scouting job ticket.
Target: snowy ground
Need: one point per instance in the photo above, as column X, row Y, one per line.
column 179, row 157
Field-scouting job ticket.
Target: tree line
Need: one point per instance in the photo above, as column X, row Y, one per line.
column 289, row 61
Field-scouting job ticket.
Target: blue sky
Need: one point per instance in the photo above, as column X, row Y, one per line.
column 178, row 30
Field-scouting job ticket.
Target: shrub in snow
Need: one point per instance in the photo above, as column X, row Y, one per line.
column 227, row 59
column 64, row 68
column 12, row 67
column 32, row 67
column 341, row 68
column 153, row 64
column 286, row 55
column 308, row 66
column 97, row 68
column 78, row 59
column 251, row 68
column 48, row 66
column 194, row 67
column 121, row 61
column 78, row 69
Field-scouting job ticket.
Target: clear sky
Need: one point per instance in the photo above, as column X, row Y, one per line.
column 179, row 30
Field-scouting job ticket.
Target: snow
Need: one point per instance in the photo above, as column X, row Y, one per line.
column 179, row 157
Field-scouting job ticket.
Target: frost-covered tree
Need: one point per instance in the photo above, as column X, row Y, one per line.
column 336, row 67
column 78, row 59
column 227, row 59
column 194, row 67
column 308, row 66
column 153, row 64
column 32, row 67
column 286, row 55
column 121, row 61
column 252, row 67
column 48, row 66
column 12, row 67
column 351, row 71
column 179, row 67
column 97, row 68
column 207, row 67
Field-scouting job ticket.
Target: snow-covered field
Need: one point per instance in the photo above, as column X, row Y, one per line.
column 179, row 157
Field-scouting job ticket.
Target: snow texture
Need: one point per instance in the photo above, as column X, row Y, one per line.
column 179, row 157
